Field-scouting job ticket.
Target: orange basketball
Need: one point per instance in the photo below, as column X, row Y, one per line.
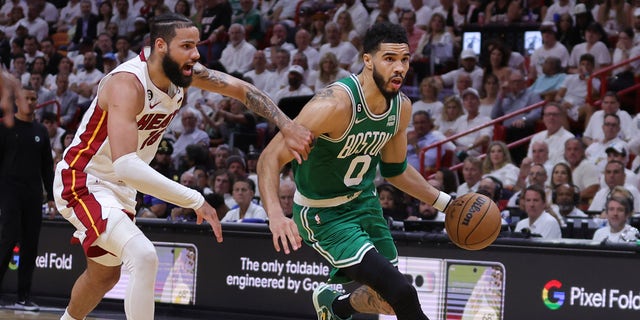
column 472, row 221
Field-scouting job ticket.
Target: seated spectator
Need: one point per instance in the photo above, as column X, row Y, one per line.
column 498, row 164
column 584, row 174
column 86, row 80
column 565, row 198
column 550, row 48
column 536, row 175
column 391, row 202
column 285, row 195
column 429, row 91
column 561, row 174
column 473, row 143
column 347, row 29
column 428, row 213
column 447, row 179
column 296, row 86
column 191, row 134
column 468, row 65
column 303, row 45
column 548, row 83
column 623, row 76
column 358, row 13
column 50, row 122
column 472, row 174
column 249, row 17
column 491, row 187
column 237, row 167
column 513, row 97
column 435, row 47
column 610, row 105
column 260, row 76
column 538, row 220
column 596, row 152
column 557, row 9
column 162, row 161
column 489, row 94
column 451, row 111
column 234, row 56
column 540, row 155
column 555, row 134
column 498, row 64
column 618, row 211
column 329, row 71
column 592, row 45
column 572, row 92
column 220, row 182
column 614, row 176
column 422, row 136
column 163, row 209
column 243, row 192
column 502, row 12
column 345, row 51
column 123, row 50
column 614, row 23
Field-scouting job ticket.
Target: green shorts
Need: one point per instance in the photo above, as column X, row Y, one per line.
column 343, row 234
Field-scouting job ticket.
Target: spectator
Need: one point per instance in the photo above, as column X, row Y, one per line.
column 105, row 14
column 594, row 46
column 448, row 180
column 344, row 50
column 614, row 16
column 317, row 29
column 565, row 33
column 190, row 135
column 502, row 12
column 536, row 174
column 618, row 211
column 514, row 97
column 584, row 173
column 538, row 220
column 65, row 66
column 451, row 111
column 358, row 13
column 550, row 48
column 618, row 152
column 31, row 50
column 50, row 121
column 44, row 94
column 239, row 124
column 251, row 20
column 498, row 164
column 278, row 41
column 540, row 155
column 243, row 192
column 422, row 11
column 162, row 161
column 329, row 71
column 473, row 143
column 86, row 80
column 554, row 136
column 572, row 93
column 259, row 75
column 86, row 25
column 422, row 136
column 286, row 194
column 491, row 187
column 414, row 34
column 498, row 64
column 67, row 99
column 435, row 47
column 472, row 174
column 51, row 56
column 123, row 50
column 36, row 25
column 468, row 62
column 429, row 91
column 614, row 176
column 565, row 199
column 391, row 202
column 296, row 85
column 281, row 64
column 596, row 151
column 610, row 105
column 309, row 75
column 548, row 83
column 274, row 11
column 234, row 56
column 124, row 19
column 347, row 30
column 385, row 7
column 220, row 182
column 489, row 94
column 303, row 45
column 557, row 9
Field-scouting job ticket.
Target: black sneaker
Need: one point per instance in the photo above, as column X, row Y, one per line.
column 26, row 305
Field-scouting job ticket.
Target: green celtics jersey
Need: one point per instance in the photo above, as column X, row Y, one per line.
column 345, row 166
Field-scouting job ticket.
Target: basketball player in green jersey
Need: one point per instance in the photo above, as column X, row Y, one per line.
column 360, row 122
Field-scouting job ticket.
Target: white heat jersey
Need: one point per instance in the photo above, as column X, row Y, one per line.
column 85, row 179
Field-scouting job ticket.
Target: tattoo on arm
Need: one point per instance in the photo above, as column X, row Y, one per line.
column 218, row 78
column 366, row 300
column 258, row 102
column 323, row 94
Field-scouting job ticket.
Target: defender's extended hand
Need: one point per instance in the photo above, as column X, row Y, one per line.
column 207, row 212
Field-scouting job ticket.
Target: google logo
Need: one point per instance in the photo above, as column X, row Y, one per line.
column 553, row 298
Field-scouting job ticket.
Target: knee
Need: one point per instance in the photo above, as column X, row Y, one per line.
column 147, row 259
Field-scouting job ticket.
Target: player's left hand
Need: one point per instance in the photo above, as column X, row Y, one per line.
column 208, row 213
column 299, row 140
column 284, row 231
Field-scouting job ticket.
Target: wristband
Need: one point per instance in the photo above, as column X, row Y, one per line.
column 442, row 202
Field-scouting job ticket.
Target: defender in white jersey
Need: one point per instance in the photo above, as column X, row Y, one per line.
column 96, row 182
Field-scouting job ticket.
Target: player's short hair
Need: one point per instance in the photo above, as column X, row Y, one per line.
column 164, row 26
column 383, row 32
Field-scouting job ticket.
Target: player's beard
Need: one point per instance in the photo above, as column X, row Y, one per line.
column 174, row 71
column 382, row 85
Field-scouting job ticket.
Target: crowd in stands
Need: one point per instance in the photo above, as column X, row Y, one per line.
column 580, row 154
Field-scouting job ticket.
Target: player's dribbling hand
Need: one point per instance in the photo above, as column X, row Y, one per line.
column 285, row 231
column 299, row 140
column 208, row 213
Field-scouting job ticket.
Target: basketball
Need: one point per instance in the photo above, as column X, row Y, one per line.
column 472, row 221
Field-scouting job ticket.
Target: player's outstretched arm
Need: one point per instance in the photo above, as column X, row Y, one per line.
column 296, row 137
column 322, row 115
column 122, row 99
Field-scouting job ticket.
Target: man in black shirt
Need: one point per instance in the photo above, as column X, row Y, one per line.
column 25, row 165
